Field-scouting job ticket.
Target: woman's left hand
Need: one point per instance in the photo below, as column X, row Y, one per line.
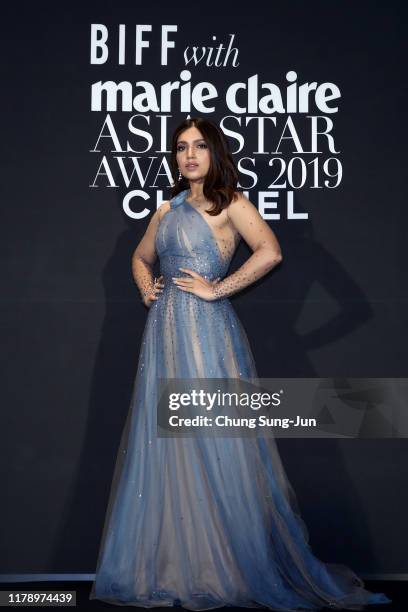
column 197, row 284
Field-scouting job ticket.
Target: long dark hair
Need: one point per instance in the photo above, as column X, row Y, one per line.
column 220, row 184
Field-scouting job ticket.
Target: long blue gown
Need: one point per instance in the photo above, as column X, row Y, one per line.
column 205, row 522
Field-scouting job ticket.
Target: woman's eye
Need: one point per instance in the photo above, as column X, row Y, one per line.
column 201, row 144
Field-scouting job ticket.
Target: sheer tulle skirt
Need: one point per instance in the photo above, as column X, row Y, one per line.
column 206, row 522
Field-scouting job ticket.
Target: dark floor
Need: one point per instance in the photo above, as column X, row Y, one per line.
column 397, row 591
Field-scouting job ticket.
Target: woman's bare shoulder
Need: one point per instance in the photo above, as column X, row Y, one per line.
column 240, row 202
column 239, row 197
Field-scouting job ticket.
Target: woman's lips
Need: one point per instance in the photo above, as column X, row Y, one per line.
column 191, row 166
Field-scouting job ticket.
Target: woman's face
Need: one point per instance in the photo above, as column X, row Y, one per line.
column 193, row 155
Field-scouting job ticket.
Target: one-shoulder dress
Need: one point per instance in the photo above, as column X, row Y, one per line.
column 205, row 522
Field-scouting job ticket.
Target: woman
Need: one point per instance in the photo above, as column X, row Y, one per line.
column 205, row 522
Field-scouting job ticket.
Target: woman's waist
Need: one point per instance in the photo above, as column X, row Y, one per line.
column 171, row 294
column 173, row 269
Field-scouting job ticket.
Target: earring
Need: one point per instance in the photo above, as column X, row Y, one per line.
column 180, row 175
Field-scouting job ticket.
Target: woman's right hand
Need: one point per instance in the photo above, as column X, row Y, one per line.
column 154, row 293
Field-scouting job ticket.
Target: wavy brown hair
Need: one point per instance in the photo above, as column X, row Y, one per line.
column 220, row 183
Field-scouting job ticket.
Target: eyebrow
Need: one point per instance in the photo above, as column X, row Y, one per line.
column 185, row 142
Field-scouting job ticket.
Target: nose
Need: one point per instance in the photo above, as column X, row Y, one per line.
column 190, row 151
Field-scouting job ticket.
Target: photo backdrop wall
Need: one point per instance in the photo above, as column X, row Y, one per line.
column 310, row 97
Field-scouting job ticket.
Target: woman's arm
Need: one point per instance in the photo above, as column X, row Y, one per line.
column 145, row 256
column 260, row 238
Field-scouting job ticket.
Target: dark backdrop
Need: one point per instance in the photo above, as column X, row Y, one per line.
column 71, row 319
